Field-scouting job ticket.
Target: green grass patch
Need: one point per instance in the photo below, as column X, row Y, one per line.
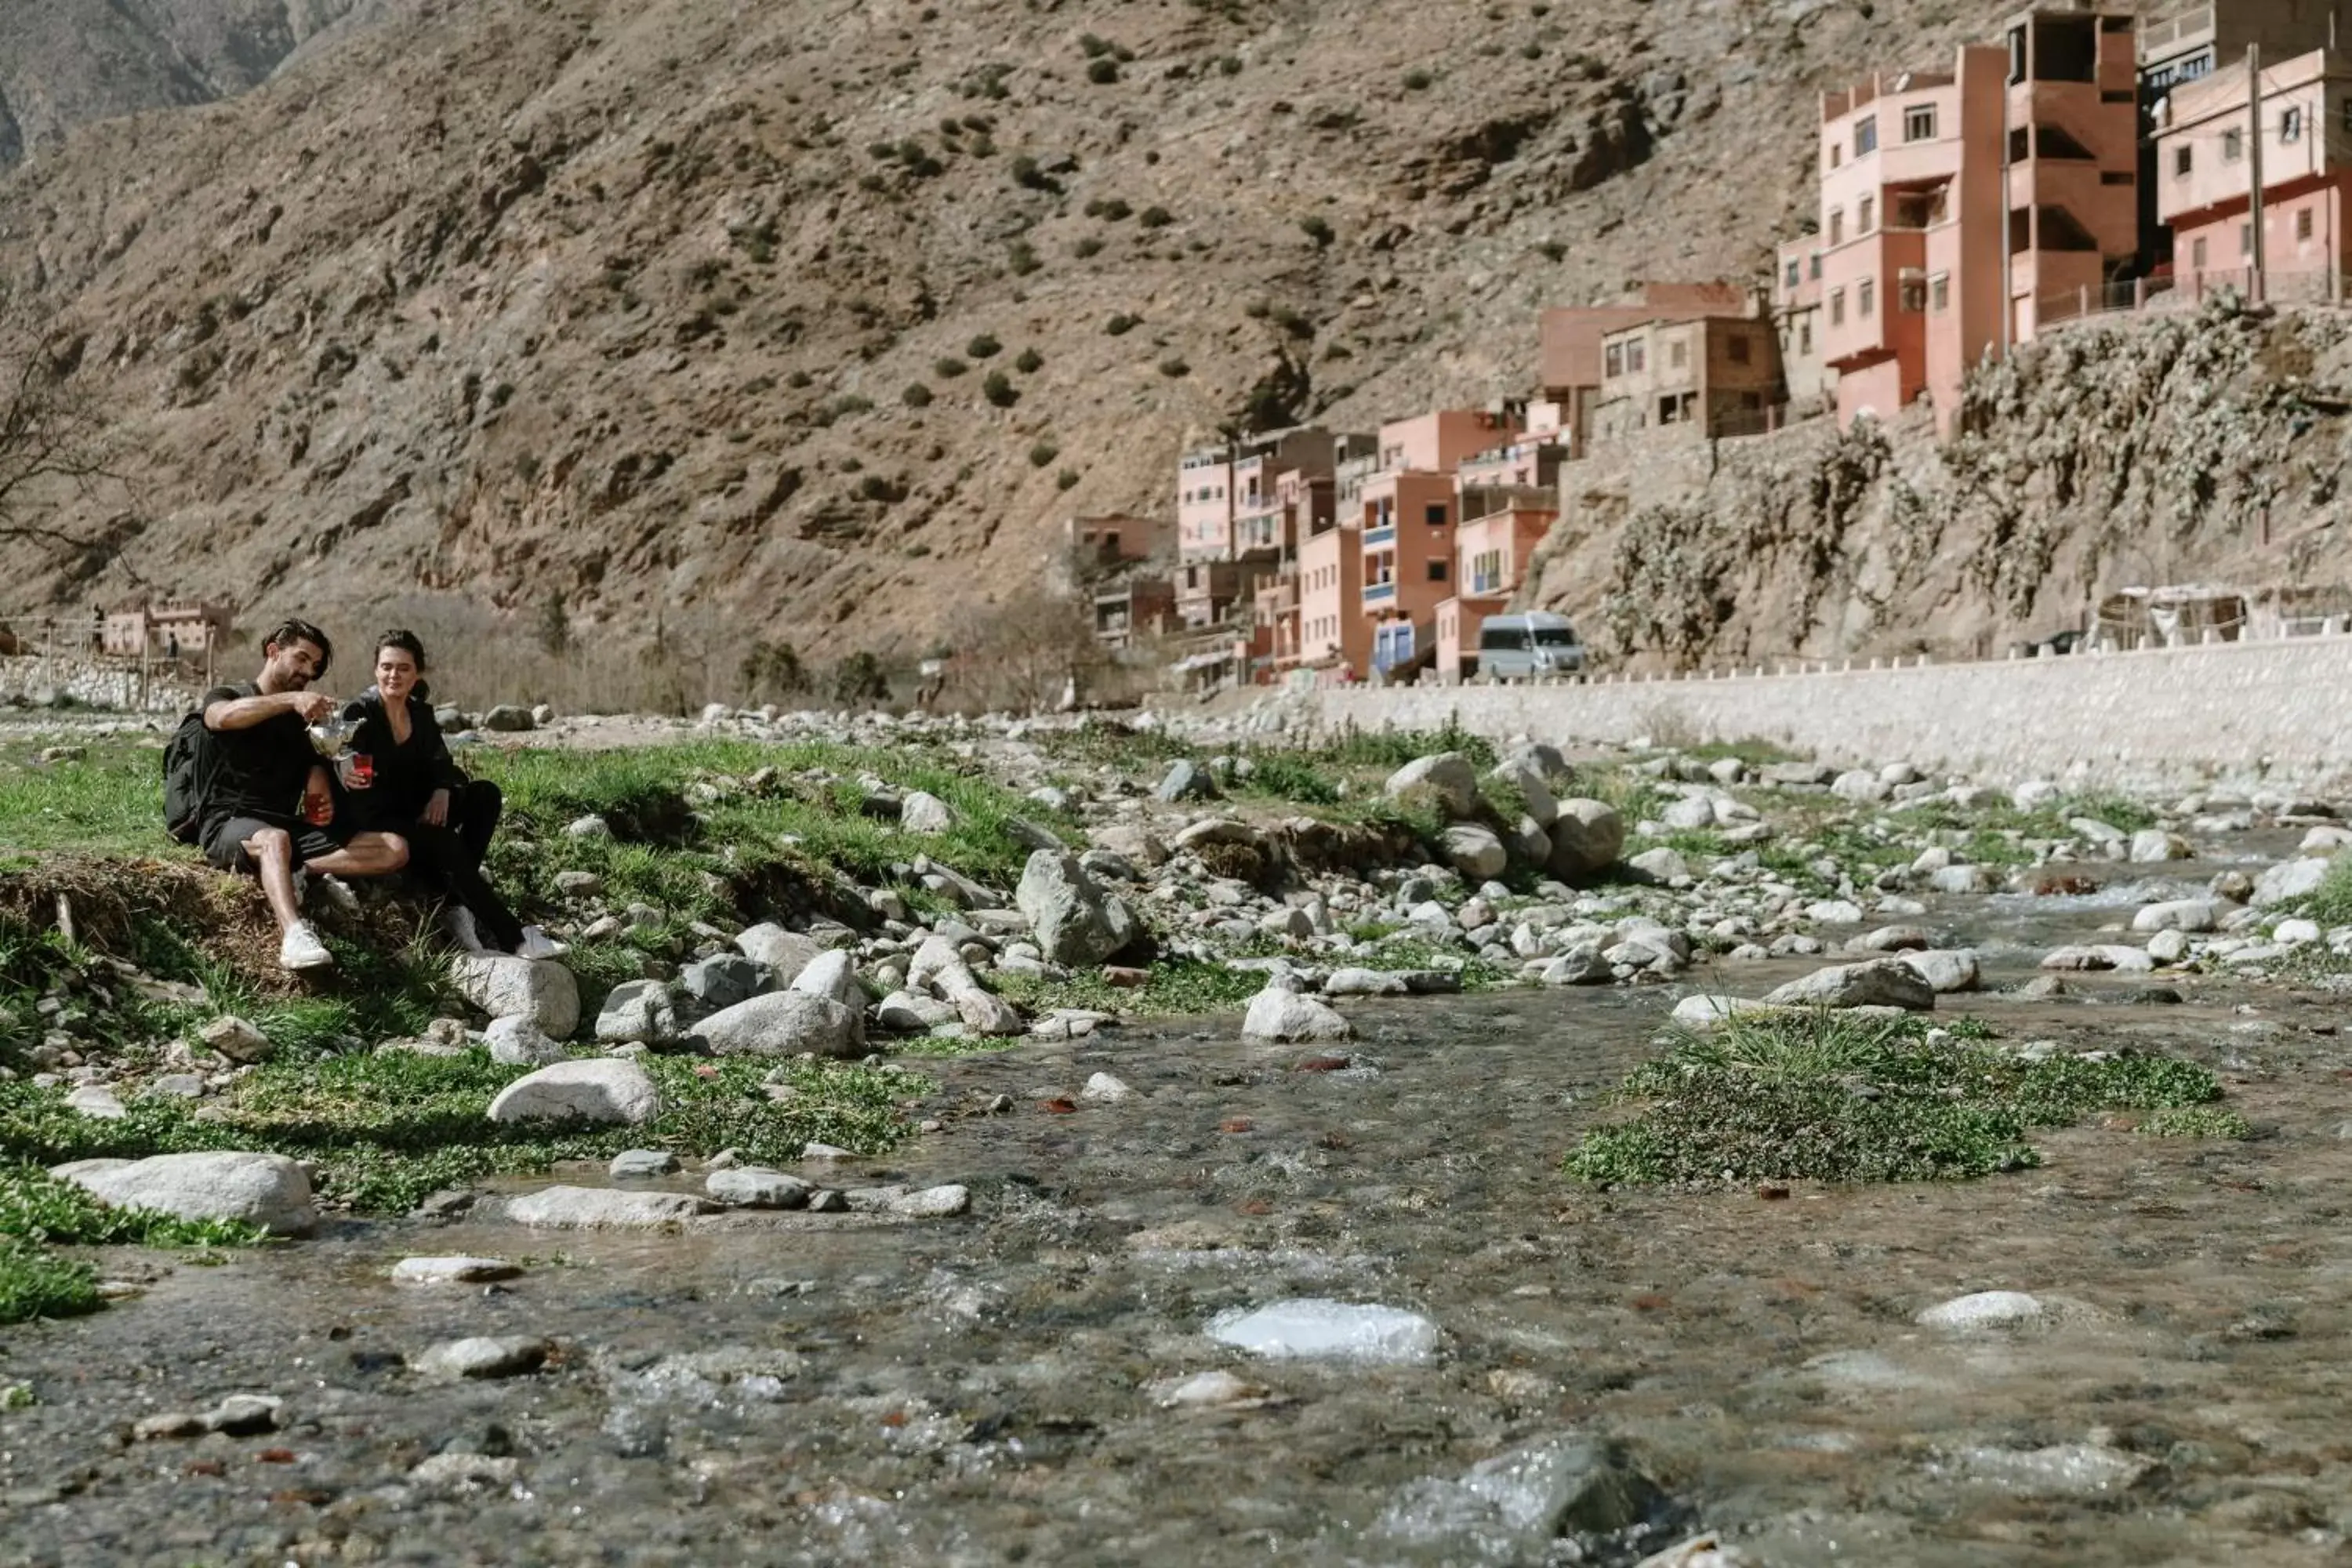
column 2330, row 903
column 386, row 1129
column 1829, row 1097
column 1292, row 776
column 36, row 1283
column 1174, row 987
column 108, row 802
column 38, row 1212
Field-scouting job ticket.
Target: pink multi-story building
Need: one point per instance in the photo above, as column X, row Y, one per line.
column 2002, row 190
column 1332, row 628
column 2204, row 161
column 1498, row 535
column 1405, row 510
column 1227, row 495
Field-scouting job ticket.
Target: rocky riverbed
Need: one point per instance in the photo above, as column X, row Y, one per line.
column 1303, row 1276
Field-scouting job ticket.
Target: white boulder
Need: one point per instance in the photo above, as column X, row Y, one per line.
column 267, row 1190
column 596, row 1089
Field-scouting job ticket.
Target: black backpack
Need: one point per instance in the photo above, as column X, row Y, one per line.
column 188, row 759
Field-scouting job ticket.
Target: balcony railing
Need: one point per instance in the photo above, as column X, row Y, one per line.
column 1384, row 534
column 1380, row 592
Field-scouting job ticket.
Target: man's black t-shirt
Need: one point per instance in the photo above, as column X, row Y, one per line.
column 261, row 771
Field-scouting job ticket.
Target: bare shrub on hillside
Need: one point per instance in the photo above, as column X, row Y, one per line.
column 673, row 662
column 1021, row 653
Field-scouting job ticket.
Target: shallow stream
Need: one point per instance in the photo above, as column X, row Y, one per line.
column 798, row 1388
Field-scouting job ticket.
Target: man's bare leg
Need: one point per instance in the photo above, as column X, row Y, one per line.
column 272, row 849
column 367, row 855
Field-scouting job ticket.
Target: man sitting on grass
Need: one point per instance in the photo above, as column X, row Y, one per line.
column 266, row 805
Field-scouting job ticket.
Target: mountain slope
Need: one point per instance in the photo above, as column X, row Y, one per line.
column 65, row 62
column 511, row 297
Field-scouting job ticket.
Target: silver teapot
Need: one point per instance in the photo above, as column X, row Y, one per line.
column 331, row 737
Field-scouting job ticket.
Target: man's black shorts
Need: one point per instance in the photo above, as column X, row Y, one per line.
column 225, row 840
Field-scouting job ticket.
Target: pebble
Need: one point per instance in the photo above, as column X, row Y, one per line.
column 1106, row 1089
column 1207, row 1390
column 642, row 1164
column 505, row 1356
column 456, row 1470
column 452, row 1270
column 1312, row 1328
column 757, row 1187
column 1984, row 1310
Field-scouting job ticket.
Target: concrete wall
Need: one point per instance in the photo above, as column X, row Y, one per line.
column 2276, row 710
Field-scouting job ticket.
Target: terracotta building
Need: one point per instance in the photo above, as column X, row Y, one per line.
column 2024, row 152
column 1810, row 382
column 1720, row 375
column 173, row 630
column 2190, row 41
column 2205, row 154
column 1332, row 628
column 1570, row 359
column 1498, row 535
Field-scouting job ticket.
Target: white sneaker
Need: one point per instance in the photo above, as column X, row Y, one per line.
column 302, row 949
column 460, row 922
column 338, row 893
column 537, row 945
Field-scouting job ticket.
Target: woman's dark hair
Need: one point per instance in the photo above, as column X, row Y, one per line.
column 407, row 642
column 292, row 631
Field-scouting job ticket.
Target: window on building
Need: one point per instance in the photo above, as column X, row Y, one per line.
column 1865, row 215
column 1837, row 225
column 1813, row 267
column 1637, row 357
column 1433, row 516
column 2291, row 125
column 2183, row 160
column 1612, row 361
column 2234, row 145
column 2245, row 239
column 1737, row 348
column 2303, row 223
column 1919, row 123
column 2197, row 255
column 1678, row 354
column 1792, row 276
column 1939, row 292
column 1837, row 307
column 1911, row 294
column 1805, row 337
column 1866, row 136
column 1437, row 571
column 1837, row 154
column 1866, row 296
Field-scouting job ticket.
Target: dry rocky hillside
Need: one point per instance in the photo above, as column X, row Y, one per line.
column 67, row 62
column 826, row 313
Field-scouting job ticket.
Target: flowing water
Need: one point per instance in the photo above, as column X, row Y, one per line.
column 820, row 1389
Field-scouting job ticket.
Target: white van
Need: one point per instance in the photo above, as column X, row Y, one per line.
column 1535, row 645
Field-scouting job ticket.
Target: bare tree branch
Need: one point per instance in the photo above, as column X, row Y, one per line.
column 54, row 448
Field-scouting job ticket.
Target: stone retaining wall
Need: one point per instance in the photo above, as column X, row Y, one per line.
column 43, row 681
column 2279, row 711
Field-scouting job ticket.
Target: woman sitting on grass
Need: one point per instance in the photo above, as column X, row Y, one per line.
column 400, row 771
